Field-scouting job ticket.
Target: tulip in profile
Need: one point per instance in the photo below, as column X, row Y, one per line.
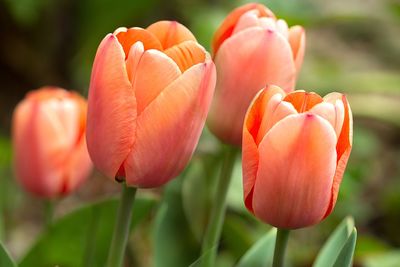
column 251, row 49
column 295, row 151
column 150, row 93
column 51, row 157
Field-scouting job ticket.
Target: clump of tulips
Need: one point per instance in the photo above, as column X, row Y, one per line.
column 150, row 92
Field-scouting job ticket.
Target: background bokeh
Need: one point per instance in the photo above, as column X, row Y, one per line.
column 353, row 46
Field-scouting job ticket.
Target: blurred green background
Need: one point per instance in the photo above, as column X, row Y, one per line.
column 353, row 46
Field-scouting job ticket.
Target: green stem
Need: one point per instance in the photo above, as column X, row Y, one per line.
column 280, row 247
column 91, row 240
column 49, row 212
column 121, row 229
column 214, row 227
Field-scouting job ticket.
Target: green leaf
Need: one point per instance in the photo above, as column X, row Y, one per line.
column 89, row 227
column 345, row 257
column 339, row 249
column 5, row 258
column 261, row 253
column 173, row 241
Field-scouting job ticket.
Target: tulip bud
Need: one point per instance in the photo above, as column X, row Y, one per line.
column 295, row 151
column 50, row 153
column 251, row 49
column 149, row 96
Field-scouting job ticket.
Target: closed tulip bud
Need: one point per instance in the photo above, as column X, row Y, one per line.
column 251, row 49
column 50, row 153
column 295, row 151
column 150, row 93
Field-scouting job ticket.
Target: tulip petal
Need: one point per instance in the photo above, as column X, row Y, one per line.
column 186, row 54
column 247, row 62
column 303, row 101
column 247, row 20
column 275, row 111
column 343, row 147
column 154, row 72
column 282, row 28
column 228, row 25
column 332, row 112
column 40, row 148
column 251, row 128
column 131, row 36
column 79, row 166
column 297, row 40
column 132, row 62
column 112, row 115
column 296, row 167
column 170, row 33
column 169, row 128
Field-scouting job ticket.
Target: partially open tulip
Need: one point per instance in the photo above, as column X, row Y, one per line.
column 251, row 49
column 295, row 151
column 50, row 153
column 150, row 93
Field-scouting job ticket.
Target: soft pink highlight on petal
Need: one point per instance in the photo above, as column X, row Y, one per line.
column 155, row 71
column 282, row 28
column 247, row 20
column 172, row 122
column 247, row 62
column 111, row 121
column 333, row 113
column 297, row 40
column 135, row 54
column 294, row 179
column 225, row 30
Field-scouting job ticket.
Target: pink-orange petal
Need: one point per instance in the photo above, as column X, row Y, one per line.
column 186, row 54
column 225, row 30
column 303, row 101
column 297, row 40
column 155, row 71
column 40, row 149
column 111, row 122
column 169, row 128
column 296, row 166
column 246, row 63
column 78, row 167
column 343, row 147
column 131, row 36
column 170, row 33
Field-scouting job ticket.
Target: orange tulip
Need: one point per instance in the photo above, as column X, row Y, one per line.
column 149, row 96
column 251, row 49
column 50, row 153
column 295, row 151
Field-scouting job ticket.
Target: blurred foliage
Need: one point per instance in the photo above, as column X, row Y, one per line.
column 353, row 46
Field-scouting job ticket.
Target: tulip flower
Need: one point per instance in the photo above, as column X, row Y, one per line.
column 149, row 96
column 251, row 49
column 295, row 151
column 51, row 157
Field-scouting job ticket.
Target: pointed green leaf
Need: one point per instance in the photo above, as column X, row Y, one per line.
column 5, row 258
column 261, row 253
column 345, row 258
column 173, row 241
column 67, row 241
column 337, row 246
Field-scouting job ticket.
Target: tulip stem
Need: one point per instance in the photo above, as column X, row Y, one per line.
column 214, row 227
column 121, row 229
column 49, row 212
column 280, row 247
